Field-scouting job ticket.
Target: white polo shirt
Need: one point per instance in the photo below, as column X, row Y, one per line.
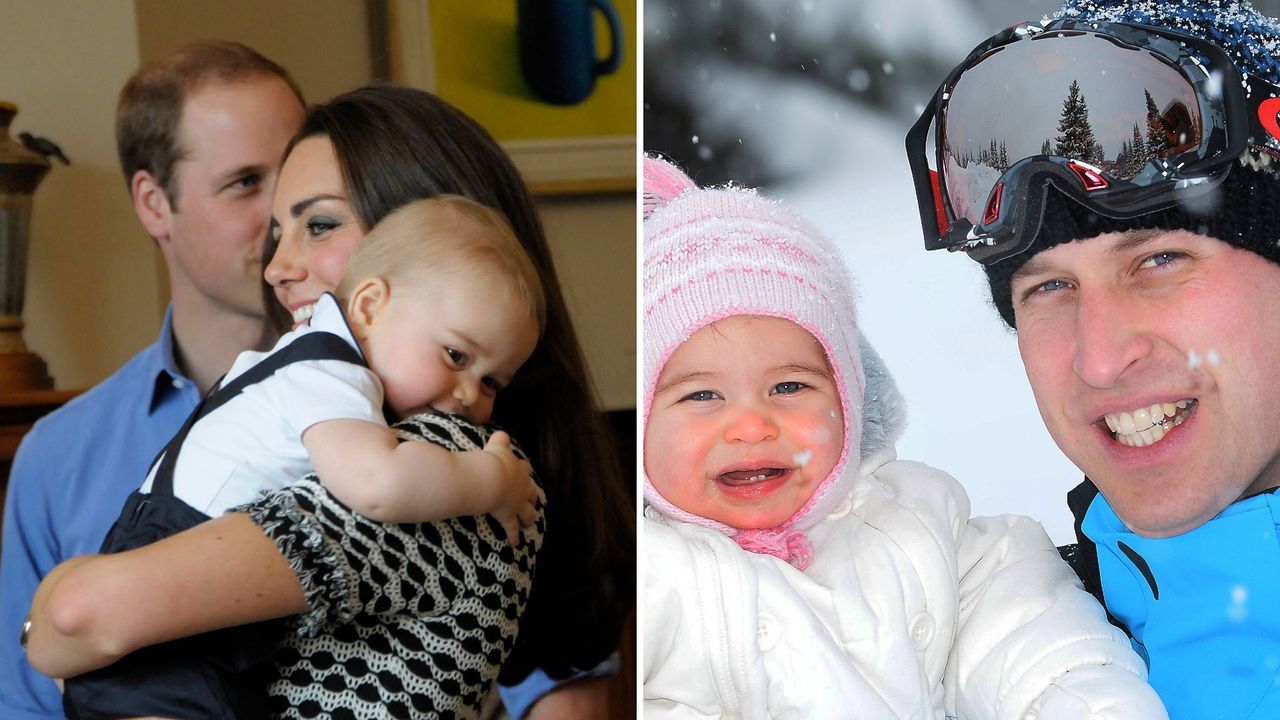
column 253, row 443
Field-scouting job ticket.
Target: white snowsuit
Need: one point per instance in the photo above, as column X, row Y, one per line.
column 910, row 609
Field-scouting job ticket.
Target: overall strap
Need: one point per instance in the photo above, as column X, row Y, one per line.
column 317, row 345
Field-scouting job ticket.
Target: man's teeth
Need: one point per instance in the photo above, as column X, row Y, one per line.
column 303, row 313
column 1144, row 426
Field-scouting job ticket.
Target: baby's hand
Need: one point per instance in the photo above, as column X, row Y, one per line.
column 517, row 491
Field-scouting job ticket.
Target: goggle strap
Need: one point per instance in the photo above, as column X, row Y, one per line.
column 933, row 216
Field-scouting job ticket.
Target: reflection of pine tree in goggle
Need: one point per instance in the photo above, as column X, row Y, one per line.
column 1124, row 119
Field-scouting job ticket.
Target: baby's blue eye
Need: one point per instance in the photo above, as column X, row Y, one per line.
column 787, row 388
column 701, row 396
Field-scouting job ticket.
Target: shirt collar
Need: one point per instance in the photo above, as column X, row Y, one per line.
column 162, row 364
column 1083, row 496
column 329, row 317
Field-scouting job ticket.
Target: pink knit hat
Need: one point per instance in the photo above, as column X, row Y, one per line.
column 715, row 253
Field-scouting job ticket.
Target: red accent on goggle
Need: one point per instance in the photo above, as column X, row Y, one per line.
column 943, row 225
column 1089, row 177
column 1267, row 113
column 992, row 212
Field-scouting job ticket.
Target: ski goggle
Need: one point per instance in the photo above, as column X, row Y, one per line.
column 1123, row 119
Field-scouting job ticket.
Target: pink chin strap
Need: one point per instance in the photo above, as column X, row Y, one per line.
column 790, row 545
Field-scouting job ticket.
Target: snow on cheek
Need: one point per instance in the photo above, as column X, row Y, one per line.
column 1196, row 360
column 815, row 435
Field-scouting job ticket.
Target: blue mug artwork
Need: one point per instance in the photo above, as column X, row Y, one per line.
column 558, row 47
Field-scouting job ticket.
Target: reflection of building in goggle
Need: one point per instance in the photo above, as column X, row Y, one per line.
column 1159, row 134
column 1079, row 96
column 1125, row 120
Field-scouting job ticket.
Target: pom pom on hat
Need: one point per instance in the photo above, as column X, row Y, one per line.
column 663, row 182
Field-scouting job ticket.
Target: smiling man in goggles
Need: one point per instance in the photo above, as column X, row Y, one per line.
column 1116, row 170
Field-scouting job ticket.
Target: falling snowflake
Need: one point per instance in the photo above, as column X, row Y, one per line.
column 1238, row 611
column 859, row 80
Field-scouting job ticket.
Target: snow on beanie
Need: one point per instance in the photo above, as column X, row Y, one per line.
column 1248, row 209
column 715, row 253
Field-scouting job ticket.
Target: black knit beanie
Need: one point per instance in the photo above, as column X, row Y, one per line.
column 1245, row 209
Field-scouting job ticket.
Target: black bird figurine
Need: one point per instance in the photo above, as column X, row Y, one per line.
column 44, row 146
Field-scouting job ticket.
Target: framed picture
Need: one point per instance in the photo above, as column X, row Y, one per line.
column 469, row 54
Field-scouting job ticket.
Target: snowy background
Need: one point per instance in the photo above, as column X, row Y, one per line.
column 811, row 100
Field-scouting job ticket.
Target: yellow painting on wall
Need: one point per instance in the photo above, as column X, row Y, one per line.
column 563, row 111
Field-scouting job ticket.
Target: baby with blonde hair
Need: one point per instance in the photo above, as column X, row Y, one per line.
column 439, row 308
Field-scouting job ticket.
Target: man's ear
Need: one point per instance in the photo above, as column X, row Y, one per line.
column 151, row 203
column 366, row 304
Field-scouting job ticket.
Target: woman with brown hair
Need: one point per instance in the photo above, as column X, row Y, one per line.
column 356, row 158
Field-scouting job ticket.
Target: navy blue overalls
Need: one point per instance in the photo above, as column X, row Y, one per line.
column 217, row 675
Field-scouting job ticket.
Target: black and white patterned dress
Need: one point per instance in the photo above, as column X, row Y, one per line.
column 406, row 621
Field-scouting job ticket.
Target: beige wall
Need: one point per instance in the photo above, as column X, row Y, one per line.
column 593, row 240
column 324, row 45
column 91, row 280
column 96, row 289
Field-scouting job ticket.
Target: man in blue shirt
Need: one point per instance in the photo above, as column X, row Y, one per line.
column 200, row 134
column 1124, row 200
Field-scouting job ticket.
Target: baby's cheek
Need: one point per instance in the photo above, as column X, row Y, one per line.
column 671, row 459
column 817, row 429
column 820, row 439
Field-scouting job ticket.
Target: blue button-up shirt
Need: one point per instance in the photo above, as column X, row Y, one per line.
column 69, row 481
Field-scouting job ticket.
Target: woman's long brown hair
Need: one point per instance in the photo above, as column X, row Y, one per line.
column 397, row 144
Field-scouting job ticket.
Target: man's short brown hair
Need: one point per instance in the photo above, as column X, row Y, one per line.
column 151, row 103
